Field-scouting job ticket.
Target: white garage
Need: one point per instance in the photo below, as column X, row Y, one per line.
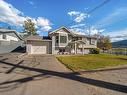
column 36, row 49
column 37, row 45
column 39, row 49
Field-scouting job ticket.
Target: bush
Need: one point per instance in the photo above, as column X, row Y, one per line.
column 95, row 51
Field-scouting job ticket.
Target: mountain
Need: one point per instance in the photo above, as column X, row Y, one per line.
column 120, row 44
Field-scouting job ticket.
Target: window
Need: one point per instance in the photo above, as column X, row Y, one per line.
column 4, row 36
column 63, row 39
column 88, row 41
column 92, row 41
column 57, row 39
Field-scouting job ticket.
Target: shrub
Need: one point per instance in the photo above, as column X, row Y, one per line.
column 95, row 51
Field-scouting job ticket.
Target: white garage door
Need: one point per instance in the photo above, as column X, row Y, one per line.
column 39, row 50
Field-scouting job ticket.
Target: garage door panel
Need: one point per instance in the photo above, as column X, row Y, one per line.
column 39, row 49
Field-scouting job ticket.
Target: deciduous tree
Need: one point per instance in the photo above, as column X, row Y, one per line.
column 29, row 27
column 104, row 42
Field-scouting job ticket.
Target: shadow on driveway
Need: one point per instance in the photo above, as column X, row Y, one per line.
column 71, row 76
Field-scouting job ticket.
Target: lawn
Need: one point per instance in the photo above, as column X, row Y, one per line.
column 92, row 61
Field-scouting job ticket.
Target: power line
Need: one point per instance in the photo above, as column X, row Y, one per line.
column 97, row 7
column 94, row 9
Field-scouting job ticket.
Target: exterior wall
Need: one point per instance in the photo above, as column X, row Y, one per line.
column 79, row 51
column 0, row 36
column 86, row 51
column 6, row 48
column 30, row 46
column 10, row 43
column 87, row 40
column 53, row 44
column 55, row 47
column 9, row 37
column 88, row 43
column 5, row 43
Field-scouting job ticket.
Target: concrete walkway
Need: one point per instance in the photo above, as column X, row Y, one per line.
column 44, row 75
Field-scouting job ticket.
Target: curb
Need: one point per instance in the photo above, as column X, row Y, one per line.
column 102, row 70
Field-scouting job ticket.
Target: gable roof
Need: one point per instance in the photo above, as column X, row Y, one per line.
column 71, row 32
column 10, row 31
column 60, row 29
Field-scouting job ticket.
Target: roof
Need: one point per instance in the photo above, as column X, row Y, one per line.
column 10, row 31
column 60, row 29
column 34, row 37
column 72, row 33
column 37, row 38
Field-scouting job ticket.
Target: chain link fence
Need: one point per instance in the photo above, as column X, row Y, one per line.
column 115, row 51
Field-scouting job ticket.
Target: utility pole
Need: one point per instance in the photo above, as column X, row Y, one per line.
column 89, row 29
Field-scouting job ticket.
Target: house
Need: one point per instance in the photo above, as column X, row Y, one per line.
column 61, row 41
column 9, row 40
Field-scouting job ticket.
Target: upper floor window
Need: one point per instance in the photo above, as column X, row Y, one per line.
column 92, row 41
column 4, row 36
column 63, row 39
column 88, row 41
column 57, row 39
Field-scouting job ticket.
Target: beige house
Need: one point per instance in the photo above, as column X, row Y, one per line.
column 61, row 41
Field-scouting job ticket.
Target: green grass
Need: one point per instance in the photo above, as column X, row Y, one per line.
column 92, row 62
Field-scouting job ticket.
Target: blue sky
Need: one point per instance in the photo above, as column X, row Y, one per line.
column 48, row 15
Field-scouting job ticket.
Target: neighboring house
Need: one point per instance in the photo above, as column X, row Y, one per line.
column 9, row 40
column 61, row 41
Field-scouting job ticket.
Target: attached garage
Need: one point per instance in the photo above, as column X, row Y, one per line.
column 39, row 49
column 38, row 46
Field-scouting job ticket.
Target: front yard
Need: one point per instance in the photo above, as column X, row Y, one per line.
column 91, row 61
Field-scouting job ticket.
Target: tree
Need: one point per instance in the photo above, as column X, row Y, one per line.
column 104, row 42
column 29, row 27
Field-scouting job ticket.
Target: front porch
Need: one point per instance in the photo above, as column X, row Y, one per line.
column 74, row 48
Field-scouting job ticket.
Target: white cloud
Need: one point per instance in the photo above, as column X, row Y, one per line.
column 31, row 2
column 94, row 30
column 78, row 25
column 117, row 35
column 78, row 31
column 115, row 16
column 85, row 31
column 12, row 16
column 44, row 24
column 78, row 16
column 43, row 21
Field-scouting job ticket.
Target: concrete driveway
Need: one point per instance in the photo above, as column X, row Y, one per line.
column 44, row 75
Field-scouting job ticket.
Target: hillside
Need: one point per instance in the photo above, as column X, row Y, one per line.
column 121, row 44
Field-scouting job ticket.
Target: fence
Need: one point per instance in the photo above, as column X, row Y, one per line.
column 115, row 51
